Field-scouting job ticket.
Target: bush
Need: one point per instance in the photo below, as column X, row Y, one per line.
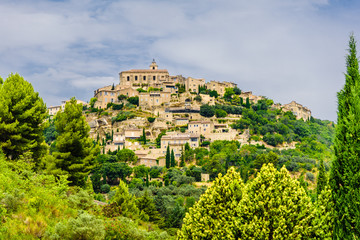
column 220, row 113
column 85, row 226
column 198, row 98
column 81, row 200
column 105, row 188
column 207, row 111
column 134, row 100
column 117, row 106
column 310, row 176
column 151, row 119
column 205, row 143
column 122, row 97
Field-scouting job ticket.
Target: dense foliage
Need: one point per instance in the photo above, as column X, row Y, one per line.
column 345, row 172
column 22, row 120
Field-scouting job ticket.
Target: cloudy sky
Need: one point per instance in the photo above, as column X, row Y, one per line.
column 282, row 49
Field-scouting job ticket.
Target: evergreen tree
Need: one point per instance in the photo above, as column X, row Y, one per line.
column 167, row 157
column 144, row 136
column 247, row 104
column 125, row 201
column 321, row 179
column 76, row 152
column 22, row 119
column 182, row 158
column 147, row 206
column 345, row 171
column 212, row 217
column 172, row 159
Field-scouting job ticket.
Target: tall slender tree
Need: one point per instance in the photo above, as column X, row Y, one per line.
column 321, row 179
column 76, row 151
column 172, row 159
column 167, row 157
column 22, row 119
column 345, row 171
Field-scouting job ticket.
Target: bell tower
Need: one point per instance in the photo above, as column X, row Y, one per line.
column 153, row 65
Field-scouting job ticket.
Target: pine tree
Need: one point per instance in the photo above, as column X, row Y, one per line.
column 147, row 206
column 76, row 152
column 22, row 120
column 125, row 201
column 167, row 157
column 321, row 179
column 172, row 159
column 345, row 171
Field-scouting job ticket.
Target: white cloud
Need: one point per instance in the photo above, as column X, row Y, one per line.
column 283, row 49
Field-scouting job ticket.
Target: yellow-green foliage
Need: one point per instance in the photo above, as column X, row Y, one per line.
column 30, row 203
column 271, row 206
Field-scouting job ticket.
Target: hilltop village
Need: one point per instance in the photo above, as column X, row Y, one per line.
column 150, row 110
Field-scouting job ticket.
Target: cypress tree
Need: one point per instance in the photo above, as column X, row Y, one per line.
column 144, row 136
column 167, row 157
column 247, row 104
column 345, row 171
column 172, row 159
column 321, row 179
column 182, row 158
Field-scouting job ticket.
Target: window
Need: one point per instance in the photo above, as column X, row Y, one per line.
column 106, row 93
column 112, row 100
column 136, row 77
column 157, row 100
column 154, row 78
column 100, row 93
column 105, row 99
column 128, row 78
column 144, row 77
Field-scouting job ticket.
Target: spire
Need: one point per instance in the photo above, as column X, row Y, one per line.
column 153, row 65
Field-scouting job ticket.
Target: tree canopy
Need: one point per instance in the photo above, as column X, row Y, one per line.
column 22, row 119
column 76, row 151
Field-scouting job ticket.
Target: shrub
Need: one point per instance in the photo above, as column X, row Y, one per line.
column 105, row 188
column 85, row 226
column 81, row 200
column 134, row 100
column 151, row 119
column 310, row 176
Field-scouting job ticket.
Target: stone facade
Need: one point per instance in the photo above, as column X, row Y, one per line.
column 107, row 95
column 53, row 110
column 152, row 77
column 219, row 86
column 192, row 84
column 176, row 141
column 253, row 98
column 201, row 127
column 153, row 99
column 298, row 110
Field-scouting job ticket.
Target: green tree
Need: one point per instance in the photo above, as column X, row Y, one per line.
column 22, row 120
column 125, row 201
column 213, row 93
column 321, row 179
column 229, row 92
column 92, row 102
column 147, row 207
column 182, row 158
column 126, row 155
column 345, row 171
column 247, row 104
column 167, row 158
column 76, row 151
column 134, row 100
column 212, row 217
column 144, row 136
column 207, row 111
column 220, row 113
column 172, row 159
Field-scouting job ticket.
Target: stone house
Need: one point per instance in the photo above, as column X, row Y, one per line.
column 298, row 110
column 153, row 98
column 219, row 86
column 192, row 84
column 176, row 141
column 181, row 121
column 53, row 110
column 203, row 127
column 253, row 98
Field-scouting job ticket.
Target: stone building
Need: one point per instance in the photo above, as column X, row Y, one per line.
column 153, row 98
column 253, row 98
column 176, row 141
column 298, row 110
column 201, row 127
column 219, row 86
column 192, row 84
column 152, row 77
column 108, row 94
column 53, row 110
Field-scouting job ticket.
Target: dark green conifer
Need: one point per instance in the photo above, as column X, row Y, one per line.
column 345, row 171
column 167, row 157
column 321, row 179
column 172, row 159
